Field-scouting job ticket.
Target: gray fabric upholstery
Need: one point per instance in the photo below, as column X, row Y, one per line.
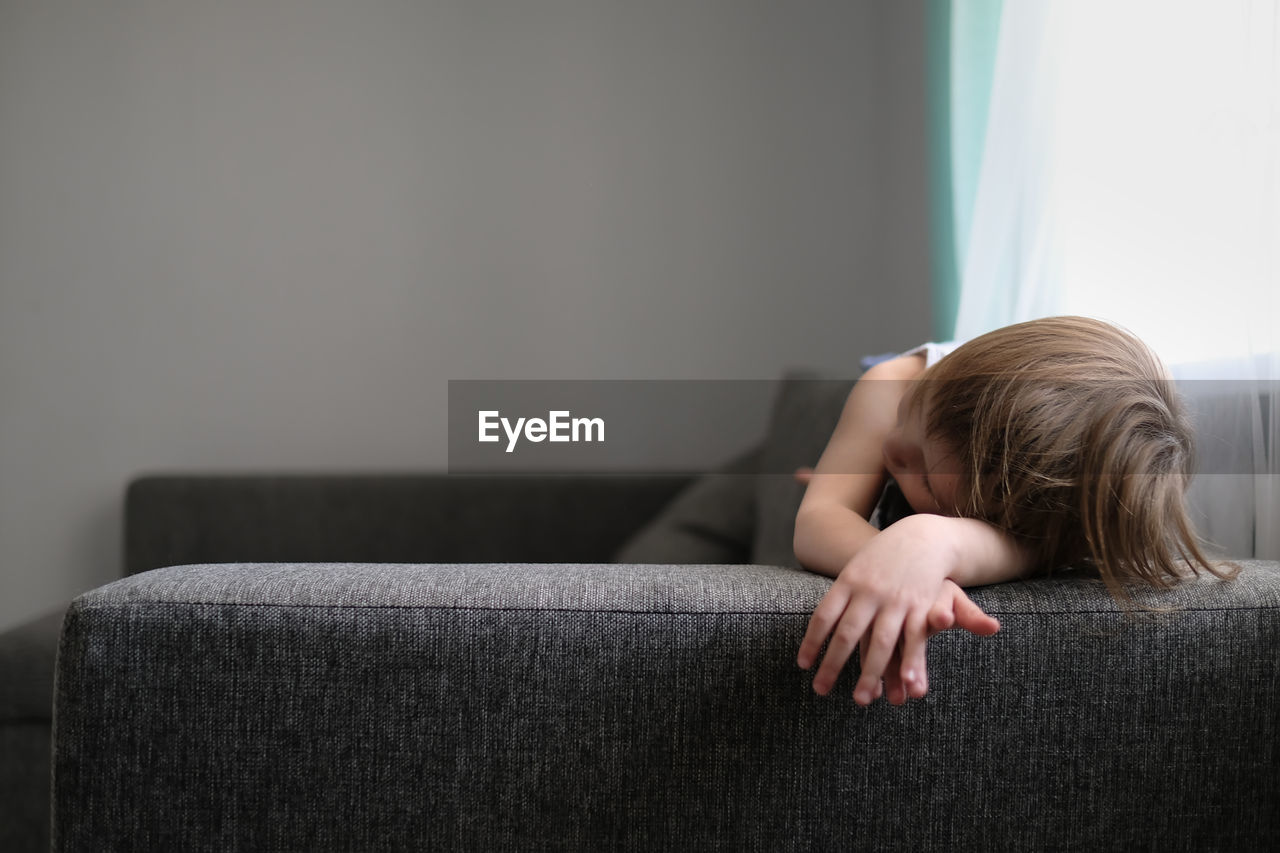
column 711, row 521
column 804, row 415
column 373, row 518
column 574, row 707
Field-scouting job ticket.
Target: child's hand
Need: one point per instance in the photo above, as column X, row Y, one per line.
column 954, row 609
column 887, row 601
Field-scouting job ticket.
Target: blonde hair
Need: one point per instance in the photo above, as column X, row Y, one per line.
column 1072, row 439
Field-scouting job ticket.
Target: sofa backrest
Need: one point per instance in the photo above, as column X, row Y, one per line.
column 428, row 518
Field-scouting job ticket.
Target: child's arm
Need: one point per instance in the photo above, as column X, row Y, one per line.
column 831, row 525
column 888, row 591
column 886, row 582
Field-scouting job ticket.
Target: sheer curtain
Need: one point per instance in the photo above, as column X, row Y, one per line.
column 1131, row 171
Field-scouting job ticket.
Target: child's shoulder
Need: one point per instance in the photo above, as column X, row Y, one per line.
column 907, row 366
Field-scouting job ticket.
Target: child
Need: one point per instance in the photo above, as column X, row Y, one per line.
column 1040, row 445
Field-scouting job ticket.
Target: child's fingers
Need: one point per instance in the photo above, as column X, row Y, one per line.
column 884, row 639
column 914, row 636
column 844, row 639
column 942, row 614
column 824, row 618
column 972, row 618
column 894, row 690
column 863, row 646
column 862, row 651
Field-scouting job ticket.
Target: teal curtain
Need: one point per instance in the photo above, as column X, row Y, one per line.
column 961, row 41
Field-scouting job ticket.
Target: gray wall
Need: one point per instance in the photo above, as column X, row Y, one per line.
column 263, row 234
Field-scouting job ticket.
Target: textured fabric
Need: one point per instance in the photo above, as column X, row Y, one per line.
column 386, row 519
column 501, row 586
column 711, row 521
column 197, row 518
column 638, row 707
column 804, row 415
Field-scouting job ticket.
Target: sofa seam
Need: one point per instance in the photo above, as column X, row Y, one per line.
column 444, row 607
column 505, row 609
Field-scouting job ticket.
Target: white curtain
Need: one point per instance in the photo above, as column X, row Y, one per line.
column 1131, row 171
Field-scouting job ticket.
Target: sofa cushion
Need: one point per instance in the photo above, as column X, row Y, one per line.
column 804, row 415
column 710, row 521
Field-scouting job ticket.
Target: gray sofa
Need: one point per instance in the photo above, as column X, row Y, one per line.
column 412, row 518
column 371, row 663
column 579, row 706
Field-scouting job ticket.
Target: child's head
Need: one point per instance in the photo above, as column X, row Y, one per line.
column 1069, row 435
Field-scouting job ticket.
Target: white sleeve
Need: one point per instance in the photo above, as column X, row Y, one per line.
column 933, row 352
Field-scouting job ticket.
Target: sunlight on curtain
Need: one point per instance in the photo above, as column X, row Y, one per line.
column 1006, row 269
column 1131, row 171
column 976, row 27
column 1165, row 171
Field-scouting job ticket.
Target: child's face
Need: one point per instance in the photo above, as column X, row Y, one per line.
column 927, row 472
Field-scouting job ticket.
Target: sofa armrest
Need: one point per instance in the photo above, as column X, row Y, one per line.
column 181, row 519
column 491, row 706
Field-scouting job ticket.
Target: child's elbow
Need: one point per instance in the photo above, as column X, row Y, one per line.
column 802, row 540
